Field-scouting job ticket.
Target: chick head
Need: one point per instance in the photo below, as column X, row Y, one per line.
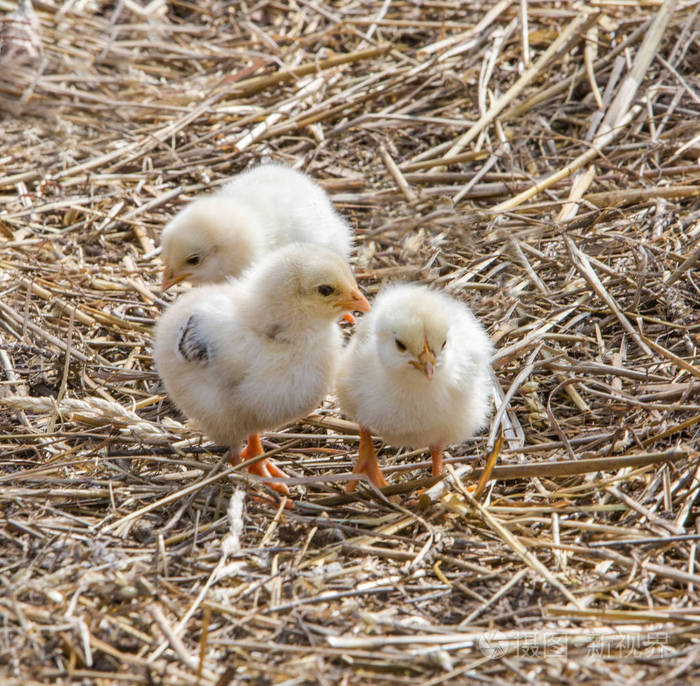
column 310, row 281
column 412, row 330
column 210, row 239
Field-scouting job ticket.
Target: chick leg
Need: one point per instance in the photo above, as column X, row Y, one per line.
column 263, row 468
column 366, row 463
column 436, row 454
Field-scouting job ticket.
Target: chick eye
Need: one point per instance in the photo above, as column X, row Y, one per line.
column 193, row 260
column 444, row 343
column 326, row 290
column 400, row 345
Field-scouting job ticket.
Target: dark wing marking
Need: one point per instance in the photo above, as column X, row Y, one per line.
column 190, row 343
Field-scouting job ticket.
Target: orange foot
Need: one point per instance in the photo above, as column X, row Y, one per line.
column 436, row 454
column 263, row 468
column 366, row 463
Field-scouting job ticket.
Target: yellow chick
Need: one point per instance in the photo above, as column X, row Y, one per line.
column 219, row 235
column 417, row 373
column 258, row 352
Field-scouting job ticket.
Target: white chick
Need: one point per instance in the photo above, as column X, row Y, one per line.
column 258, row 352
column 261, row 209
column 417, row 373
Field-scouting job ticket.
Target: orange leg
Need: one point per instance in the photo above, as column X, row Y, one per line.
column 366, row 463
column 436, row 454
column 263, row 468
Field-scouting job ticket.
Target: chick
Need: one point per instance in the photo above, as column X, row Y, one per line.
column 260, row 351
column 261, row 209
column 417, row 373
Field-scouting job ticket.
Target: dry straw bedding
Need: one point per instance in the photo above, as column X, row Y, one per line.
column 539, row 162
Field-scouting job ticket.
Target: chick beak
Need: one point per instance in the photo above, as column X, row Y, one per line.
column 353, row 300
column 170, row 280
column 426, row 361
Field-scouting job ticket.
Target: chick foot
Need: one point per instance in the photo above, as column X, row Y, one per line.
column 263, row 468
column 366, row 463
column 436, row 454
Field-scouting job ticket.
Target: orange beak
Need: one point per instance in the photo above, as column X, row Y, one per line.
column 170, row 280
column 426, row 361
column 354, row 300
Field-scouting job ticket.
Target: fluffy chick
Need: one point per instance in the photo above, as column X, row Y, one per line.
column 258, row 352
column 261, row 209
column 417, row 373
